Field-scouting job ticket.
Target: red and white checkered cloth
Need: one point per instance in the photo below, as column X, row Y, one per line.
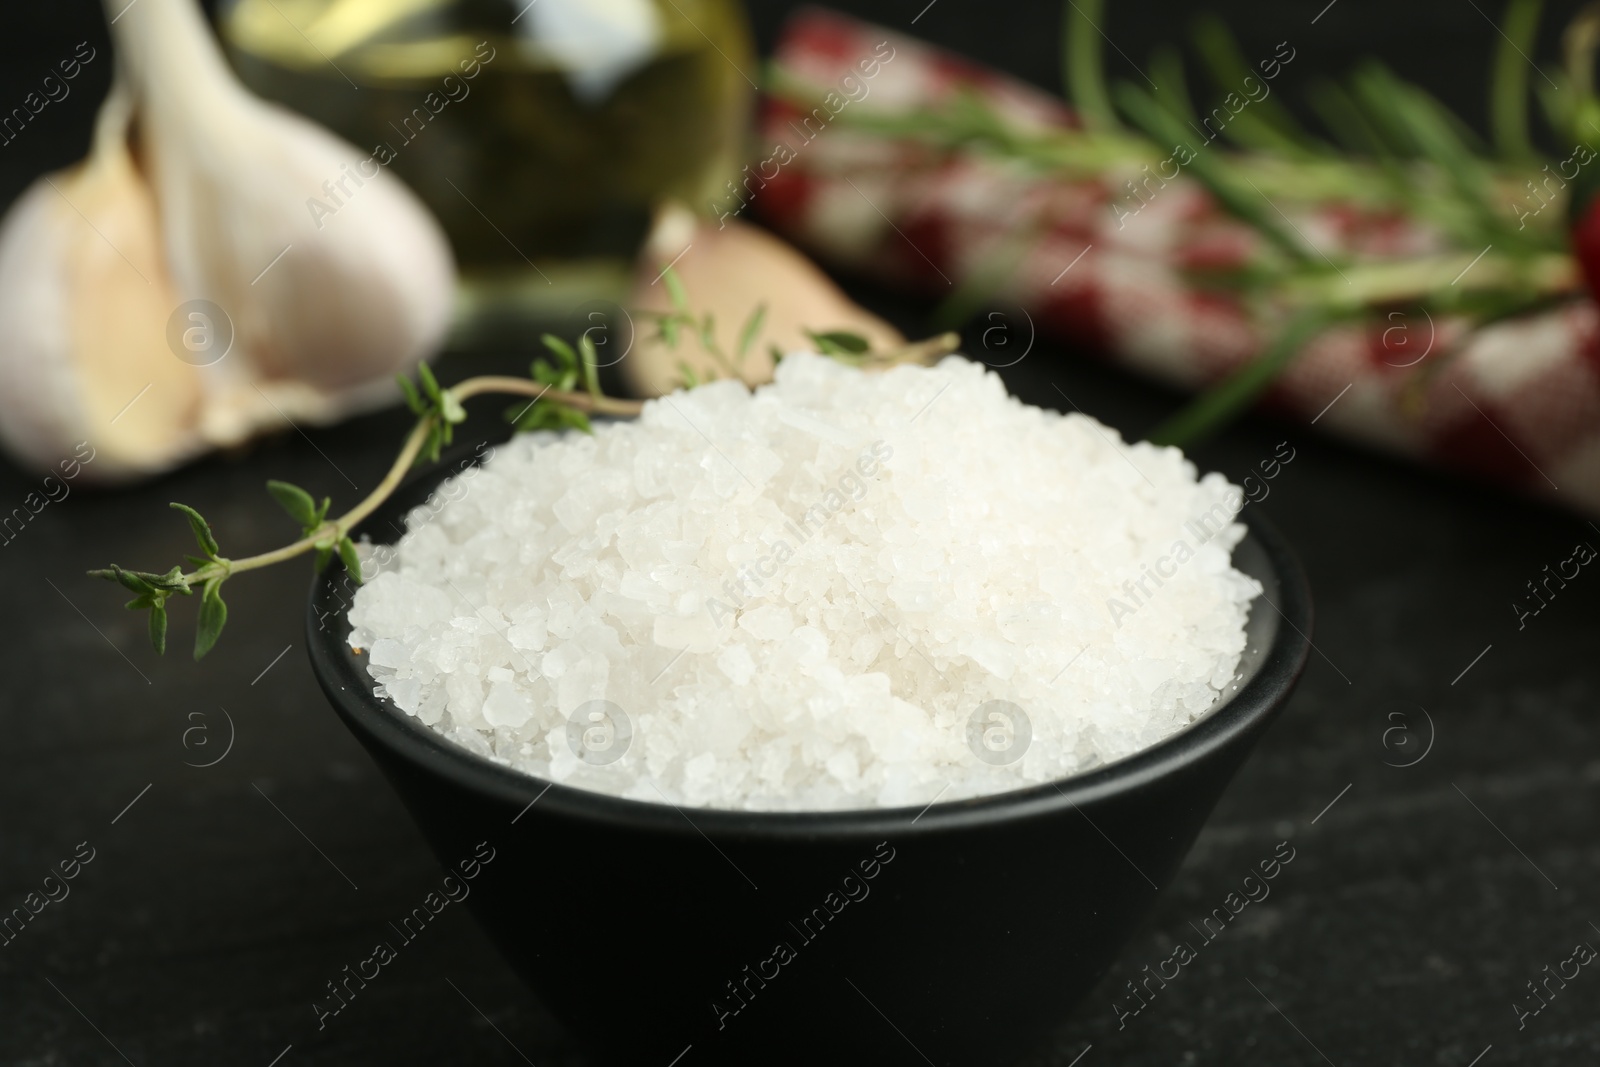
column 1518, row 404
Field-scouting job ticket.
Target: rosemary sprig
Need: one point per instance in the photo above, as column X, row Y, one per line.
column 1508, row 90
column 1395, row 150
column 1081, row 62
column 1244, row 385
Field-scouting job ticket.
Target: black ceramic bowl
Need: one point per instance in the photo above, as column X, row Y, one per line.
column 959, row 934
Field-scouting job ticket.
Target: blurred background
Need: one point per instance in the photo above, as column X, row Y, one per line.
column 208, row 922
column 1443, row 46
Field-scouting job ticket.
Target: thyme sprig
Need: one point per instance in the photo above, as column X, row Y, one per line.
column 673, row 325
column 561, row 392
column 438, row 411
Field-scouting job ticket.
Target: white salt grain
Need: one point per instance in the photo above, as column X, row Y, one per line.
column 839, row 591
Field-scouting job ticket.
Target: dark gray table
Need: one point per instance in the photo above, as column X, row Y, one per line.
column 1420, row 902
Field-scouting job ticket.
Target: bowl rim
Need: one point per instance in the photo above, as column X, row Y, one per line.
column 349, row 689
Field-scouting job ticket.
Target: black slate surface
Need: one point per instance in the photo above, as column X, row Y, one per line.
column 1420, row 902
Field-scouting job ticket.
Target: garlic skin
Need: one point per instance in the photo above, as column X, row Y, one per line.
column 323, row 315
column 84, row 302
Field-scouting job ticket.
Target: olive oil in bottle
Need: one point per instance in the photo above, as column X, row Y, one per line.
column 542, row 133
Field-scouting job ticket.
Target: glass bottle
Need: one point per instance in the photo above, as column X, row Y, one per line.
column 542, row 133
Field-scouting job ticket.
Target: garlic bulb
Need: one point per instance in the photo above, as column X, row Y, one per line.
column 322, row 307
column 728, row 270
column 84, row 303
column 161, row 306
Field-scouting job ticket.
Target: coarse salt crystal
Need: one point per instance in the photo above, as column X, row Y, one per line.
column 841, row 590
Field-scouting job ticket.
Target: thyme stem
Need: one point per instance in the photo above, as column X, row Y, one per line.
column 341, row 526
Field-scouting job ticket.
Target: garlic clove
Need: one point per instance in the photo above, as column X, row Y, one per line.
column 334, row 275
column 84, row 302
column 728, row 271
column 99, row 264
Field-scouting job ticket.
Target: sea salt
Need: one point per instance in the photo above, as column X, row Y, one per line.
column 843, row 590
